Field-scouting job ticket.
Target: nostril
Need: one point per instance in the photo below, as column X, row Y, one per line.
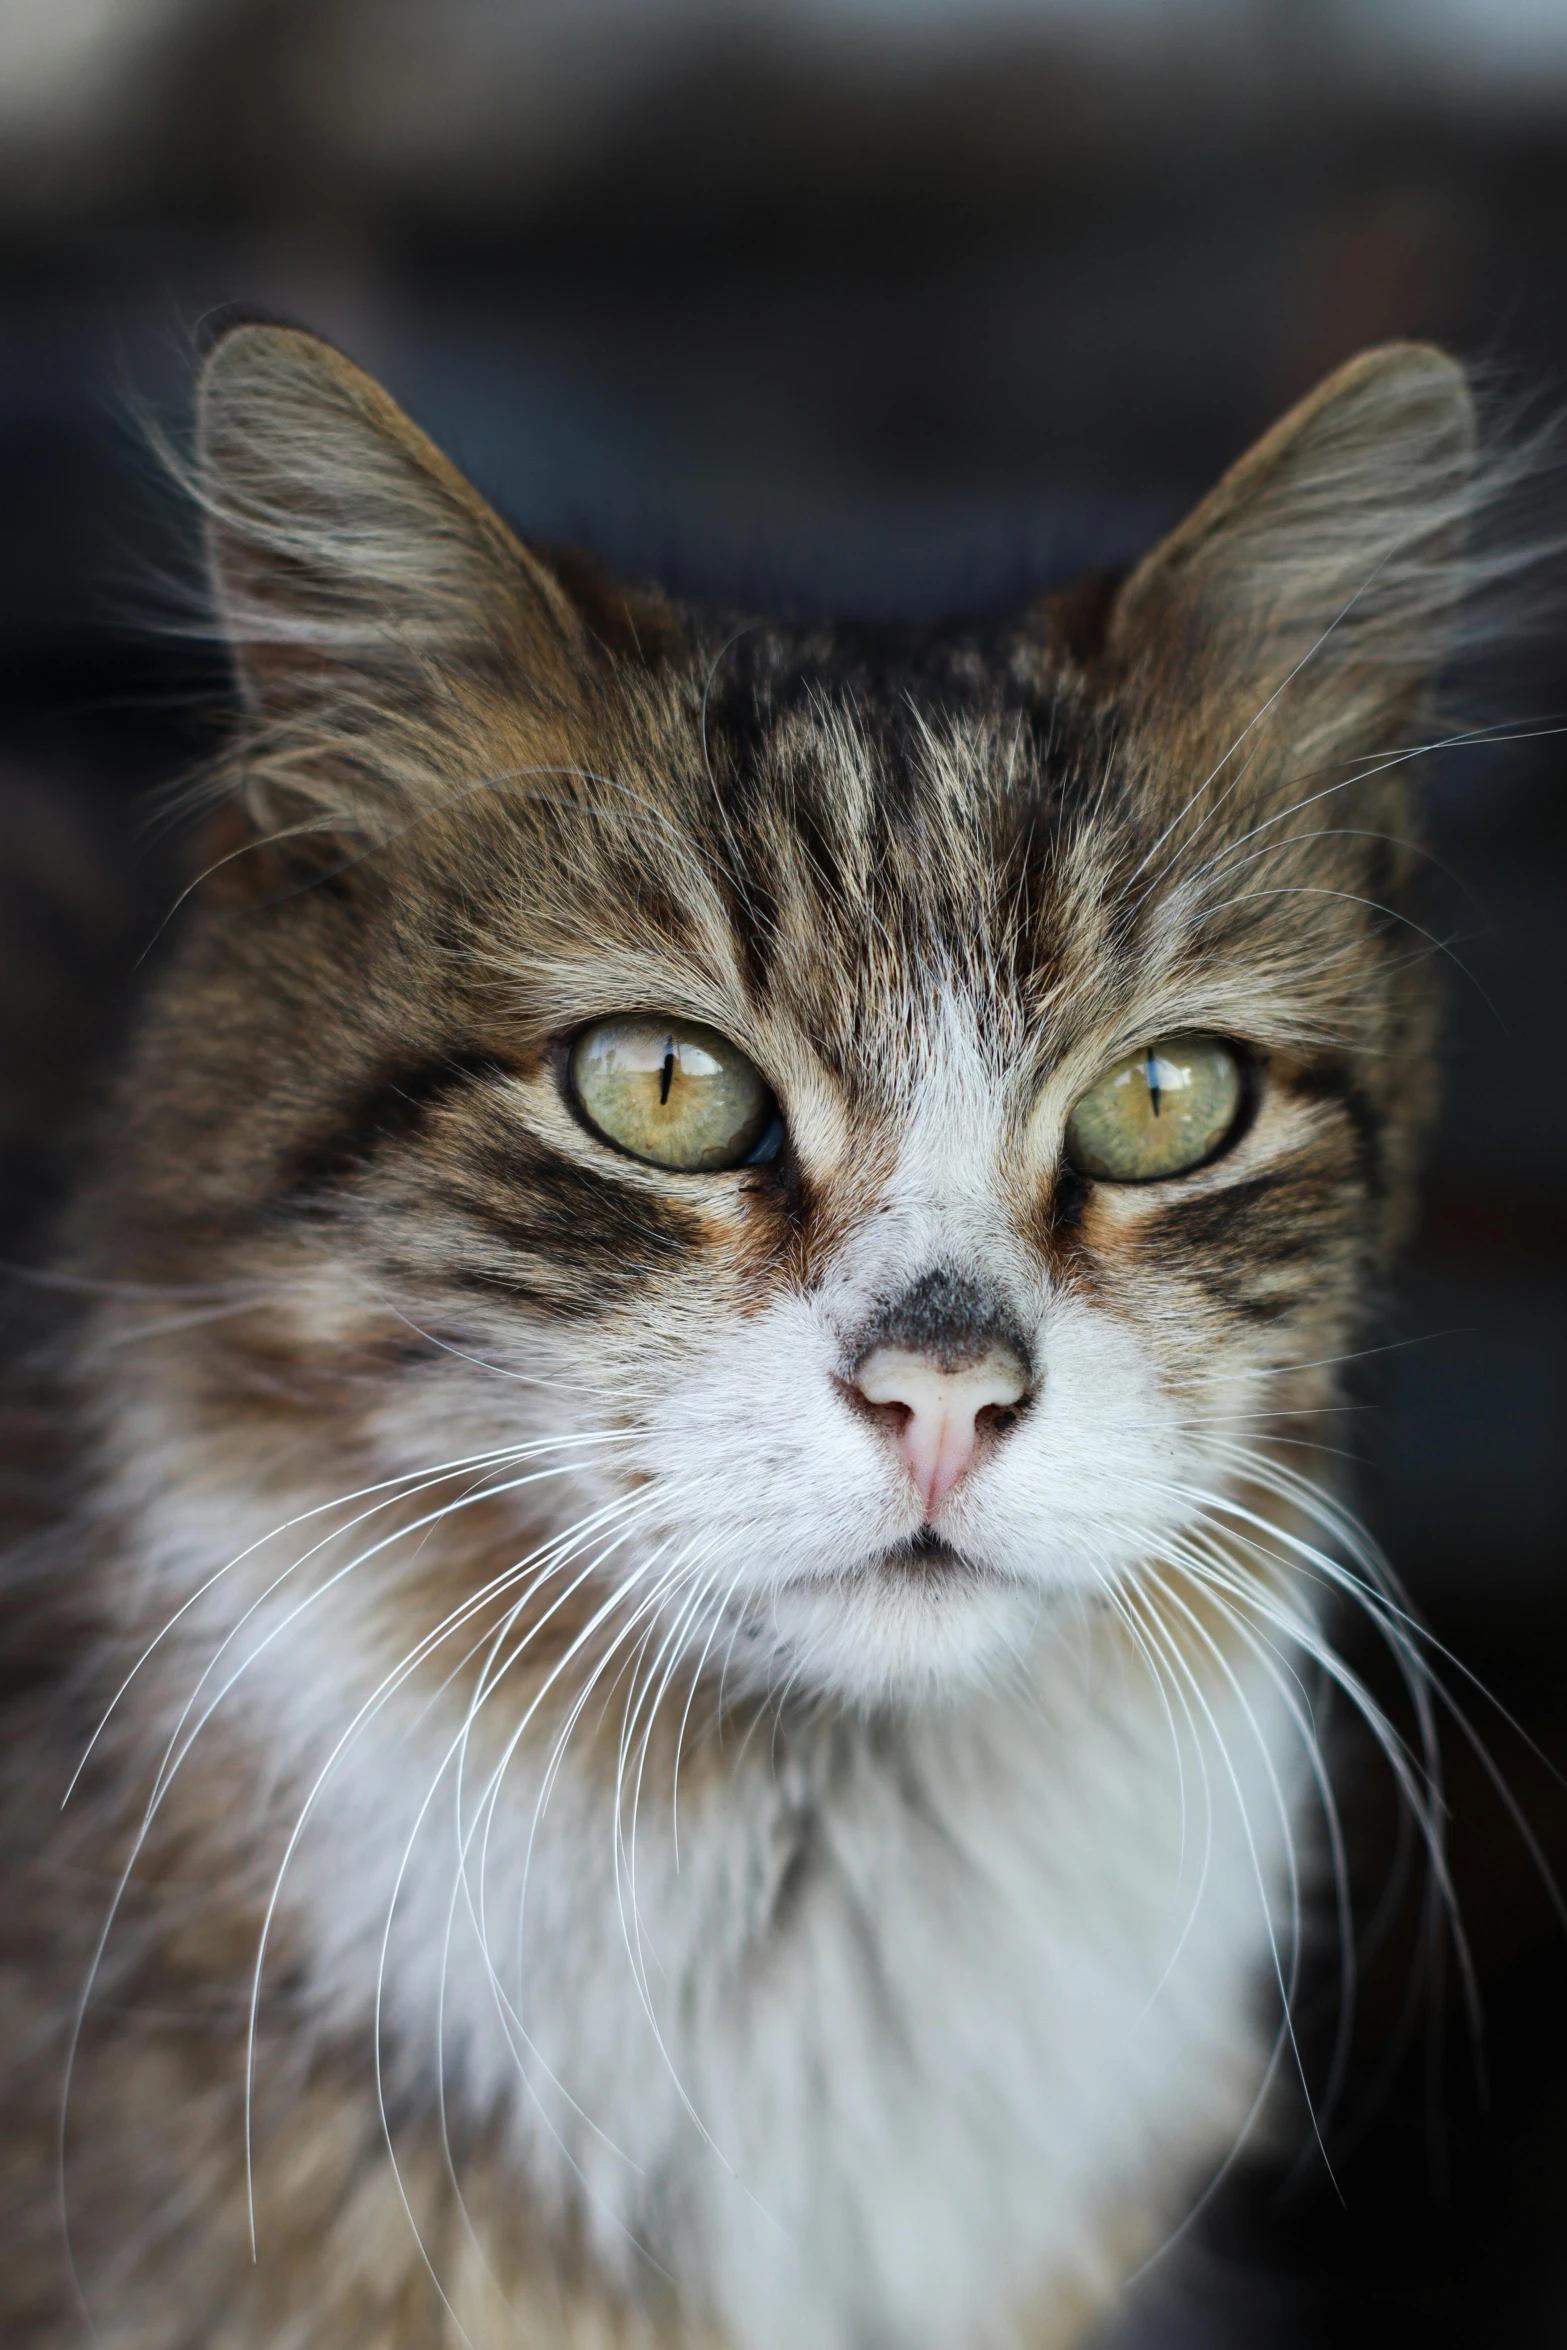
column 938, row 1416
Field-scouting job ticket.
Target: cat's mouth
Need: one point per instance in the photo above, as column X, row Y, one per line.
column 925, row 1557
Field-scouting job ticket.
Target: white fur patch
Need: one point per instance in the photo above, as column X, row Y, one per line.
column 952, row 1969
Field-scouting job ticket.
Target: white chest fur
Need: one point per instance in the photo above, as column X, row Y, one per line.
column 902, row 2026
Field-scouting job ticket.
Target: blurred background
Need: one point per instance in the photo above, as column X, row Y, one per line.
column 886, row 307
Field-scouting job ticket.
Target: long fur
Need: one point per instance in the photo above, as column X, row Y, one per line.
column 548, row 1858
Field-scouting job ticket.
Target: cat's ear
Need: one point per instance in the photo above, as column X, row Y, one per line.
column 347, row 556
column 1318, row 581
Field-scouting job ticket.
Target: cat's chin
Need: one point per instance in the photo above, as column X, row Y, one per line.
column 918, row 1623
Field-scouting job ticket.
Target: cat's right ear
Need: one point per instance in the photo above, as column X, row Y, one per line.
column 1318, row 582
column 351, row 564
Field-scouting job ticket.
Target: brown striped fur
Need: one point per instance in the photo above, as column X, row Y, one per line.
column 475, row 799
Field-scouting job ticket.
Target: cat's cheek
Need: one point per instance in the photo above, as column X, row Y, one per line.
column 1099, row 1476
column 760, row 1461
column 1069, row 1497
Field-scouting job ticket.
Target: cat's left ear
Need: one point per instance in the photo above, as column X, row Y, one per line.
column 1317, row 583
column 348, row 558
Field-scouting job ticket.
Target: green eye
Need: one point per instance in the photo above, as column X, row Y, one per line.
column 1161, row 1111
column 671, row 1092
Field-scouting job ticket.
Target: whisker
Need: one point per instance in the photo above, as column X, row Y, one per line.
column 167, row 1768
column 1365, row 771
column 696, row 1676
column 1285, row 1977
column 626, row 1846
column 173, row 1759
column 1127, row 1615
column 367, row 1710
column 1224, row 1593
column 1375, row 1591
column 1351, row 897
column 1279, row 690
column 402, row 1486
column 511, row 2022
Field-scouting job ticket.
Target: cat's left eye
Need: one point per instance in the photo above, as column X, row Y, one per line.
column 673, row 1093
column 1162, row 1111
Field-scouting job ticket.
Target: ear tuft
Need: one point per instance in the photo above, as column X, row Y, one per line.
column 1333, row 546
column 346, row 553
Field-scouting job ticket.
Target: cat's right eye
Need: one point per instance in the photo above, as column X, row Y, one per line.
column 673, row 1093
column 1164, row 1110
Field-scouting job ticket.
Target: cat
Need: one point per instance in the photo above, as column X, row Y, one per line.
column 689, row 1517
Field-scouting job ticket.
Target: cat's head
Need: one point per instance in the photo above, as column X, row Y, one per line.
column 890, row 1123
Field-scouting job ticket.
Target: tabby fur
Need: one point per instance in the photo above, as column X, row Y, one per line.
column 556, row 1863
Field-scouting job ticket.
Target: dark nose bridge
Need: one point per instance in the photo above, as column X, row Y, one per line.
column 948, row 1316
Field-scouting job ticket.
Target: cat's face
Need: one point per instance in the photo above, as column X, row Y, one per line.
column 894, row 1121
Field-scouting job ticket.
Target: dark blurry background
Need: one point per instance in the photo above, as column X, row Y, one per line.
column 884, row 306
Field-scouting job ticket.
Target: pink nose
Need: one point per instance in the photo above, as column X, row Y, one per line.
column 936, row 1417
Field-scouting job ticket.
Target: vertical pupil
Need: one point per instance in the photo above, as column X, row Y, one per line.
column 1151, row 1073
column 666, row 1075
